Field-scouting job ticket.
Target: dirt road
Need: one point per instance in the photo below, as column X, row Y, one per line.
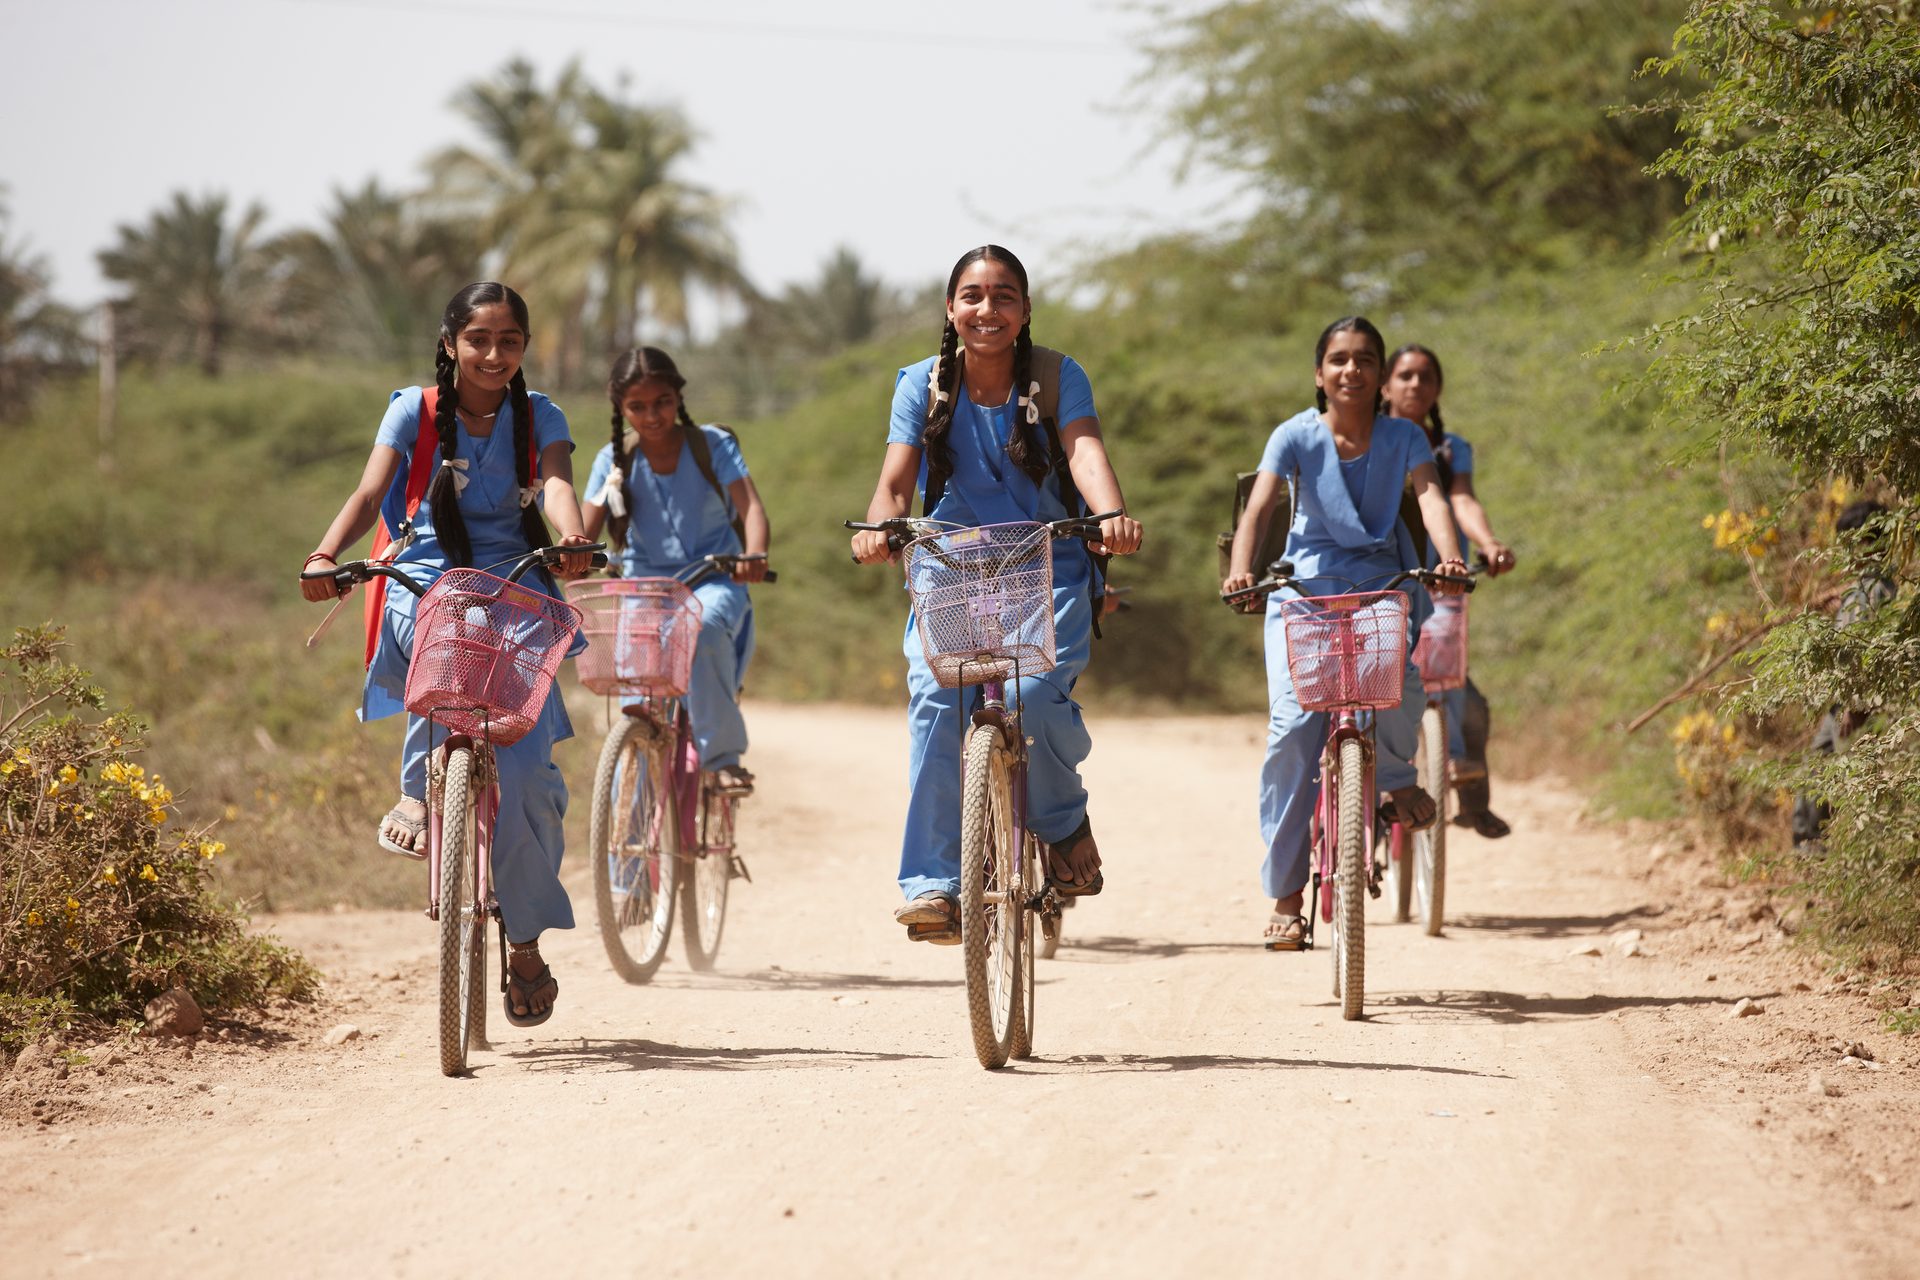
column 1198, row 1106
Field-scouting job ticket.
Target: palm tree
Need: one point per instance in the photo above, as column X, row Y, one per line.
column 37, row 335
column 193, row 280
column 377, row 274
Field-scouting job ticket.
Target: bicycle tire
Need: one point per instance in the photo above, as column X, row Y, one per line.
column 457, row 919
column 636, row 922
column 1032, row 881
column 1399, row 865
column 989, row 931
column 1352, row 883
column 1430, row 846
column 704, row 882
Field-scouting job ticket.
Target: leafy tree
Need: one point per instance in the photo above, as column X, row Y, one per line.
column 1476, row 133
column 196, row 281
column 1800, row 157
column 37, row 334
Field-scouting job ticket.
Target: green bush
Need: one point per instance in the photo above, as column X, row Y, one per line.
column 107, row 899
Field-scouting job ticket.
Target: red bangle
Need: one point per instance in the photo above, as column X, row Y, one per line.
column 318, row 555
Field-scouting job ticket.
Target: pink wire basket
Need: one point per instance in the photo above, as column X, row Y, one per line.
column 983, row 602
column 641, row 634
column 1441, row 653
column 484, row 654
column 1347, row 652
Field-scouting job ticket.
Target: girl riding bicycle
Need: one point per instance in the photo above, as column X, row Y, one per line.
column 967, row 434
column 672, row 491
column 503, row 454
column 1414, row 382
column 1348, row 465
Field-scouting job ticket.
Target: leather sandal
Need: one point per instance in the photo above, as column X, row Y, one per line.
column 527, row 989
column 1057, row 852
column 931, row 917
column 1285, row 933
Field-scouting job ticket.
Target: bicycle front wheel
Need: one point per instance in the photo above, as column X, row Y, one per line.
column 463, row 924
column 990, row 909
column 1350, row 883
column 634, row 843
column 703, row 884
column 1430, row 846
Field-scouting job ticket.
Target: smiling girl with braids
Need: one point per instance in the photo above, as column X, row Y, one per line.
column 671, row 489
column 502, row 453
column 1414, row 380
column 967, row 433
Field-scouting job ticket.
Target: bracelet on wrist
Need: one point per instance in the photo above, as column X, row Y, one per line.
column 318, row 555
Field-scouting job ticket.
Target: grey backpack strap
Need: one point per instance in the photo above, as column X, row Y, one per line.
column 702, row 453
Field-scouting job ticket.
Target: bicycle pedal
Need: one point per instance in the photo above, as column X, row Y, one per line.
column 737, row 869
column 1373, row 888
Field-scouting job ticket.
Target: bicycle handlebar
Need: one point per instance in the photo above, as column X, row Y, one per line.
column 1280, row 576
column 355, row 571
column 707, row 566
column 901, row 530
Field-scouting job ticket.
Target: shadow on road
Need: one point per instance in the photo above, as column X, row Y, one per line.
column 1113, row 950
column 1555, row 926
column 1510, row 1007
column 801, row 980
column 651, row 1055
column 1097, row 1063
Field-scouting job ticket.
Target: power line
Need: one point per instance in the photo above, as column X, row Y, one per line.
column 712, row 26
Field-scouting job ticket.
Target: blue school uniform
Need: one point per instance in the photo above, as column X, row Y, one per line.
column 986, row 487
column 673, row 520
column 1460, row 457
column 1346, row 529
column 528, row 839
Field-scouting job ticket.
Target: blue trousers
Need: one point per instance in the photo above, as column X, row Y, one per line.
column 937, row 721
column 529, row 836
column 1290, row 777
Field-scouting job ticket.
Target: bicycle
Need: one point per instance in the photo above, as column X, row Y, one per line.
column 1346, row 655
column 484, row 656
column 655, row 813
column 1416, row 869
column 983, row 605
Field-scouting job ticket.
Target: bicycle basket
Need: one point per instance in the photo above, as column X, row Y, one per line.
column 484, row 654
column 1347, row 652
column 641, row 634
column 983, row 602
column 1441, row 653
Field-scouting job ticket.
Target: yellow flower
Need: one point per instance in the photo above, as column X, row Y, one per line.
column 69, row 774
column 1726, row 733
column 8, row 767
column 110, row 876
column 53, row 788
column 159, row 794
column 148, row 873
column 1707, row 523
column 212, row 848
column 157, row 816
column 73, row 906
column 23, row 755
column 34, row 917
column 115, row 772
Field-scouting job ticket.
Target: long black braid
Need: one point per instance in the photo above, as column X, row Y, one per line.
column 533, row 525
column 442, row 495
column 1023, row 446
column 1436, row 429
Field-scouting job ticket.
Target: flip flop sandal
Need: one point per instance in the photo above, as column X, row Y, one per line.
column 931, row 917
column 1056, row 854
column 1274, row 940
column 1486, row 824
column 733, row 781
column 528, row 987
column 415, row 827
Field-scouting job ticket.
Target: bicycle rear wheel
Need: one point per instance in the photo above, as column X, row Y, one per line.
column 1430, row 846
column 990, row 910
column 1350, row 886
column 634, row 843
column 704, row 881
column 462, row 923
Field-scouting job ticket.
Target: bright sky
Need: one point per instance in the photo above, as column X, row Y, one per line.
column 908, row 130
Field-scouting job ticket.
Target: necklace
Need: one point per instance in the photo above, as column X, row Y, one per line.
column 478, row 417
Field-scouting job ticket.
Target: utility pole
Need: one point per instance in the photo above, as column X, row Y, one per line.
column 109, row 385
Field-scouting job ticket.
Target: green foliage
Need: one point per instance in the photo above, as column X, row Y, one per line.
column 1802, row 158
column 1424, row 138
column 103, row 903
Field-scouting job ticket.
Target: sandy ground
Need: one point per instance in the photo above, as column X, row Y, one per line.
column 1508, row 1108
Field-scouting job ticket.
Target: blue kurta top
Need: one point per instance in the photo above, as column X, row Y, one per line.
column 1460, row 457
column 1346, row 512
column 489, row 504
column 676, row 518
column 986, row 487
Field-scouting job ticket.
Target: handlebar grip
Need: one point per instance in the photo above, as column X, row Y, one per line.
column 314, row 575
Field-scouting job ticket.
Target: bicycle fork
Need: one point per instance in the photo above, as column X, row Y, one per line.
column 1325, row 831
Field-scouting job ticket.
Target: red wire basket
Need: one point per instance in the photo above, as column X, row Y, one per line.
column 484, row 654
column 1347, row 652
column 641, row 634
column 1441, row 653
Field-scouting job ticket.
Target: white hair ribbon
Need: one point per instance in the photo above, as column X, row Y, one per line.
column 613, row 495
column 1031, row 403
column 528, row 494
column 934, row 388
column 459, row 468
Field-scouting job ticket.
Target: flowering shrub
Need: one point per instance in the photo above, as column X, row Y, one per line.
column 105, row 898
